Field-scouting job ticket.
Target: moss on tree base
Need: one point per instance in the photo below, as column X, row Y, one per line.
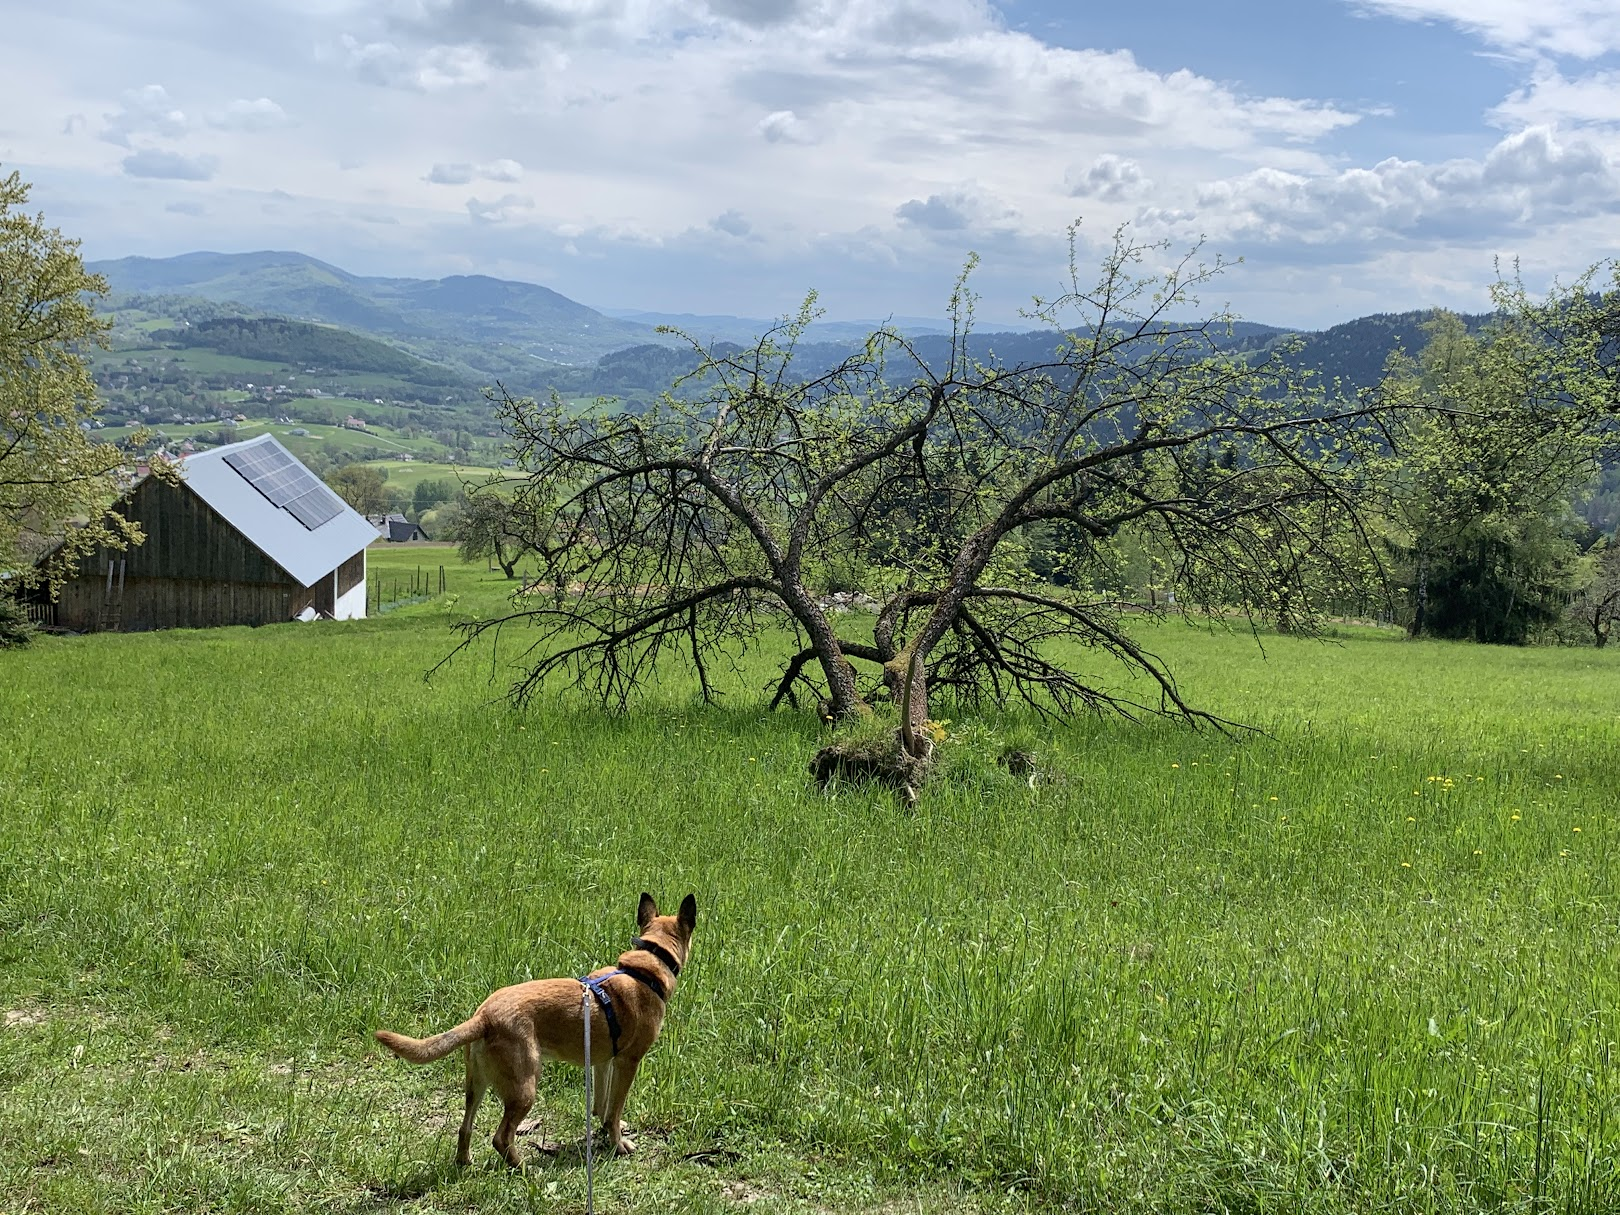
column 879, row 758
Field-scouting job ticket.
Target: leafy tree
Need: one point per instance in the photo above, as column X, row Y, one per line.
column 1567, row 345
column 693, row 530
column 490, row 524
column 1597, row 606
column 16, row 629
column 429, row 494
column 1483, row 486
column 52, row 474
column 362, row 486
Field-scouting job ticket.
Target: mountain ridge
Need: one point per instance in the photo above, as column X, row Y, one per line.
column 533, row 338
column 527, row 317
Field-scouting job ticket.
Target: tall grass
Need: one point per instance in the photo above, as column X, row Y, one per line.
column 1363, row 961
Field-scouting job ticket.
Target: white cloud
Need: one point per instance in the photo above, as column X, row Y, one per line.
column 1530, row 177
column 696, row 148
column 963, row 208
column 1109, row 178
column 938, row 212
column 784, row 126
column 1581, row 28
column 461, row 173
column 260, row 114
column 732, row 223
column 144, row 111
column 434, row 69
column 1551, row 98
column 452, row 174
column 173, row 166
column 502, row 210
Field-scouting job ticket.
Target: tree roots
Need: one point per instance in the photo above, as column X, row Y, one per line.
column 879, row 758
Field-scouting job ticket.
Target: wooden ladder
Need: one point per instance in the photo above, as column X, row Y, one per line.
column 111, row 617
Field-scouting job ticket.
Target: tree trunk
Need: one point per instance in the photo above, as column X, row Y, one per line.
column 843, row 698
column 508, row 565
column 894, row 679
column 1420, row 597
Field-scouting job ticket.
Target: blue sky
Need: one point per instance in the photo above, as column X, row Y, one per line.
column 727, row 155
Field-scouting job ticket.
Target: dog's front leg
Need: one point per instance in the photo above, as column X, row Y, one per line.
column 601, row 1080
column 624, row 1071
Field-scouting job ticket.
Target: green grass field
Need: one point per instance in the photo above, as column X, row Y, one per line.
column 1362, row 962
column 318, row 437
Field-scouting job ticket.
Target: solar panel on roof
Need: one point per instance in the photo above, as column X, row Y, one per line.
column 287, row 484
column 320, row 505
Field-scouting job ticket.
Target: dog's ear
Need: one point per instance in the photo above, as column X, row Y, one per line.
column 645, row 910
column 688, row 913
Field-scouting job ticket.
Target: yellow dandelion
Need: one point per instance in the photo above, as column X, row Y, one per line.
column 1406, row 864
column 1477, row 852
column 1410, row 819
column 1577, row 830
column 1272, row 798
column 1175, row 765
column 1514, row 819
column 1563, row 852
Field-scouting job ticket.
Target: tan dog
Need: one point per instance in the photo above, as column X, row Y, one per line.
column 518, row 1026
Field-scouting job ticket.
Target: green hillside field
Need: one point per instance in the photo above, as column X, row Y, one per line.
column 1362, row 961
column 319, row 438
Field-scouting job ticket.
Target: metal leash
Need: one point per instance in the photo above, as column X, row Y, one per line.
column 590, row 1164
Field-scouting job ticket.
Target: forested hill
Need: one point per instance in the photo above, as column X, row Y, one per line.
column 1354, row 353
column 301, row 344
column 525, row 318
column 532, row 339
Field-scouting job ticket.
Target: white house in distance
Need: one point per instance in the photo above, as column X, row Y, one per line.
column 248, row 536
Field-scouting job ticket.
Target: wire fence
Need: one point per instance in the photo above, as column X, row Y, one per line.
column 384, row 594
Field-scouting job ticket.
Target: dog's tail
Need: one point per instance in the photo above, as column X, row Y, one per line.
column 426, row 1050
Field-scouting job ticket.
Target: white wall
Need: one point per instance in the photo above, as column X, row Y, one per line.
column 352, row 606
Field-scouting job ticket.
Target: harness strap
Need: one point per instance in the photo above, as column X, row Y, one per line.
column 605, row 1003
column 659, row 952
column 647, row 979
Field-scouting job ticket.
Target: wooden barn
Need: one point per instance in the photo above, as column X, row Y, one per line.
column 247, row 536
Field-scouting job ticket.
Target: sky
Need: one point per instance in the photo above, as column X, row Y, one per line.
column 727, row 156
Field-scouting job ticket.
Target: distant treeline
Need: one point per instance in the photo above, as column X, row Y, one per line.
column 1354, row 353
column 300, row 344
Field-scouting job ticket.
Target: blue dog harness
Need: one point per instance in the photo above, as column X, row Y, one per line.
column 597, row 984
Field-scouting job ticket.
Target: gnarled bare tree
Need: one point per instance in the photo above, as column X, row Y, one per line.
column 697, row 529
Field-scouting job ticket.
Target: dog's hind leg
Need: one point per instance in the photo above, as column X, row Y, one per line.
column 476, row 1084
column 515, row 1079
column 624, row 1072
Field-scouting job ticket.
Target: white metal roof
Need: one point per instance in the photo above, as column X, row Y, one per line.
column 305, row 554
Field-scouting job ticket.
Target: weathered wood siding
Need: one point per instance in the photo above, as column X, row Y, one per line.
column 194, row 571
column 143, row 604
column 351, row 573
column 185, row 538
